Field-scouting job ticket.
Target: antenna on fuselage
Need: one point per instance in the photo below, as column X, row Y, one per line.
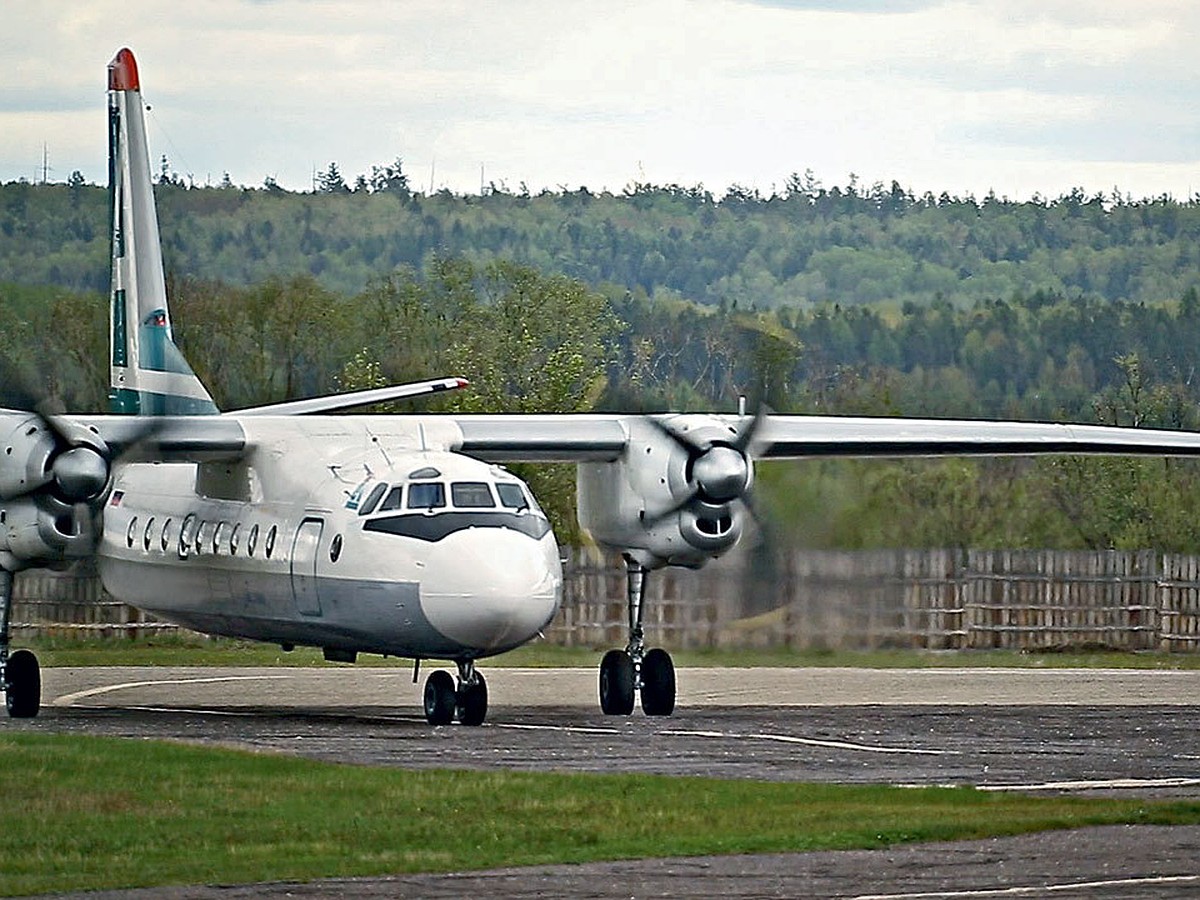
column 382, row 449
column 336, row 471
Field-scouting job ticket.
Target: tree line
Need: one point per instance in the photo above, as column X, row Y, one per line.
column 801, row 246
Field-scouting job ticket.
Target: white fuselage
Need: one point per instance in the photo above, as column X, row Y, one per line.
column 348, row 533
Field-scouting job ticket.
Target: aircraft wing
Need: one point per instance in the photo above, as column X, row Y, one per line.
column 354, row 399
column 581, row 438
column 793, row 437
column 566, row 437
column 604, row 437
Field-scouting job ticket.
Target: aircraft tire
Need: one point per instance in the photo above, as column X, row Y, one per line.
column 439, row 698
column 658, row 683
column 472, row 702
column 616, row 683
column 23, row 688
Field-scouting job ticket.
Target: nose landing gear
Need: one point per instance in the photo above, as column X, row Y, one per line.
column 444, row 699
column 20, row 676
column 634, row 670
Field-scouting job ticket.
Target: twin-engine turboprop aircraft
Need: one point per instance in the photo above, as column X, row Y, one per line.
column 399, row 535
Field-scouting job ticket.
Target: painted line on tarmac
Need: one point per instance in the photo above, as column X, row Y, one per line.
column 186, row 710
column 811, row 742
column 570, row 729
column 731, row 735
column 1110, row 784
column 70, row 699
column 1039, row 889
column 1097, row 785
column 258, row 714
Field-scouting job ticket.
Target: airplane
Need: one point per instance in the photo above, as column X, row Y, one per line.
column 391, row 534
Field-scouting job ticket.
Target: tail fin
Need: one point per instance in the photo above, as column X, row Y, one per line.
column 148, row 374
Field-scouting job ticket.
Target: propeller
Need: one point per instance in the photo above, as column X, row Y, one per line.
column 69, row 465
column 720, row 470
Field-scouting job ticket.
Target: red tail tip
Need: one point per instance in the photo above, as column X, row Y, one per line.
column 122, row 72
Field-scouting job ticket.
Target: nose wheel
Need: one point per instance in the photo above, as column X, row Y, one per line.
column 20, row 676
column 444, row 699
column 624, row 674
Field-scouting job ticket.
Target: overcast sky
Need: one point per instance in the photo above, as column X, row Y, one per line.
column 1020, row 97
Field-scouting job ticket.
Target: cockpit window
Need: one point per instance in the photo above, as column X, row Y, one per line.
column 511, row 495
column 471, row 495
column 368, row 506
column 392, row 500
column 426, row 495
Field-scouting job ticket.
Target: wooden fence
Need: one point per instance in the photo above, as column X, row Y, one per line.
column 934, row 599
column 930, row 599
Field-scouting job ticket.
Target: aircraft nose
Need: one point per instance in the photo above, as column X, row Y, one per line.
column 491, row 589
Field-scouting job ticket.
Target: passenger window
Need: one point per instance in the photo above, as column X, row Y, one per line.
column 270, row 544
column 146, row 536
column 218, row 529
column 131, row 531
column 471, row 495
column 427, row 495
column 392, row 501
column 198, row 544
column 511, row 495
column 165, row 540
column 233, row 538
column 368, row 506
column 252, row 544
column 185, row 535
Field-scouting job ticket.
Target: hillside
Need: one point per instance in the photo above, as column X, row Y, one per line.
column 804, row 247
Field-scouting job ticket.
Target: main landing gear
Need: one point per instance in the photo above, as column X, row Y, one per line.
column 19, row 673
column 468, row 699
column 634, row 670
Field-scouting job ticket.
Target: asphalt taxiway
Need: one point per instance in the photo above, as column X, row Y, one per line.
column 1116, row 732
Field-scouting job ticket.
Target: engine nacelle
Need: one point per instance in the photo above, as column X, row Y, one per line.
column 674, row 497
column 42, row 531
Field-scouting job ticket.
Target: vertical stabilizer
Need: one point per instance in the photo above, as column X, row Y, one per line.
column 148, row 374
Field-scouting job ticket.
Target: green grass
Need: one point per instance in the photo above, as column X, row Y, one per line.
column 192, row 650
column 91, row 813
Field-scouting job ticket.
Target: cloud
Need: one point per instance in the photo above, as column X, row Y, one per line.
column 853, row 8
column 942, row 95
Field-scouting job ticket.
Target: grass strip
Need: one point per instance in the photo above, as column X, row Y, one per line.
column 91, row 813
column 194, row 650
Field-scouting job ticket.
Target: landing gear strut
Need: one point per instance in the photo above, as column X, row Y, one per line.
column 634, row 670
column 19, row 673
column 443, row 698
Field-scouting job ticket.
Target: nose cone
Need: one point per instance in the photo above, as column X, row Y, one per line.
column 491, row 589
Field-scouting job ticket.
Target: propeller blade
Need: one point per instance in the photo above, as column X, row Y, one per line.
column 746, row 438
column 682, row 442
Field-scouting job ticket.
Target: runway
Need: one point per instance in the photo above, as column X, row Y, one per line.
column 1114, row 732
column 1126, row 731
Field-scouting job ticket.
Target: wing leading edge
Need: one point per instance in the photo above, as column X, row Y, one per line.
column 604, row 437
column 594, row 438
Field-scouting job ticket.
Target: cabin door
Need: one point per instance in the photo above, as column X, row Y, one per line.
column 304, row 566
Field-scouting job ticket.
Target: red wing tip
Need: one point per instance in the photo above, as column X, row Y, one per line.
column 462, row 382
column 123, row 72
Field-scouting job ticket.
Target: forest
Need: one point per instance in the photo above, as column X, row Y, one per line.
column 802, row 246
column 840, row 301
